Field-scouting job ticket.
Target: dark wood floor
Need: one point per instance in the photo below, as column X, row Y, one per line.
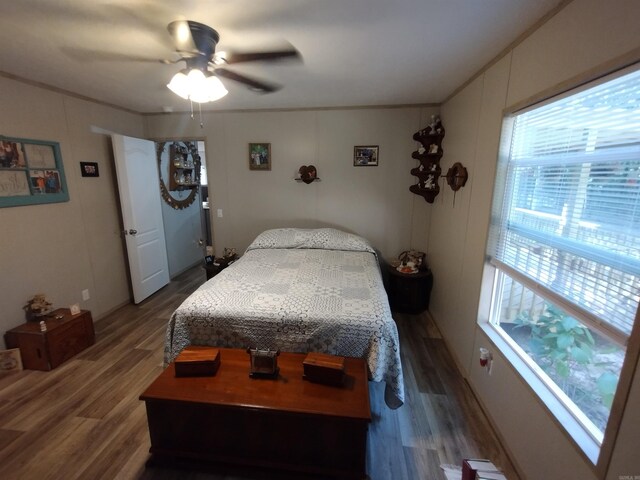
column 83, row 420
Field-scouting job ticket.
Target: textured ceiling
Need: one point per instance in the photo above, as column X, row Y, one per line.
column 355, row 52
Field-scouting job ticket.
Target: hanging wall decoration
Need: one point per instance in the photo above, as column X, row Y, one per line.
column 259, row 156
column 456, row 178
column 31, row 172
column 180, row 167
column 308, row 174
column 89, row 169
column 429, row 155
column 366, row 155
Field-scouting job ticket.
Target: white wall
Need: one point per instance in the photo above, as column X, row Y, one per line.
column 61, row 249
column 372, row 201
column 584, row 37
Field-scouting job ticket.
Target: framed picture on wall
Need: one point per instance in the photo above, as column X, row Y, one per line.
column 259, row 156
column 31, row 172
column 89, row 169
column 365, row 156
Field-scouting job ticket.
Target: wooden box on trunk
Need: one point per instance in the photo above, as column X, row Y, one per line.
column 324, row 368
column 196, row 361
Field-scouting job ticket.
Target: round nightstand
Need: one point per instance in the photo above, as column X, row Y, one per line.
column 409, row 292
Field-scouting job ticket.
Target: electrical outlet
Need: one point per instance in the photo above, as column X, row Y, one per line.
column 85, row 295
column 219, row 213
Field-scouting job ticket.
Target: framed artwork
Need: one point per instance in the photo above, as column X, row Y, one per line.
column 31, row 172
column 259, row 156
column 365, row 156
column 89, row 169
column 10, row 361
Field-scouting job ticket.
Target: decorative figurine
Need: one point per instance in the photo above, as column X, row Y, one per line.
column 429, row 182
column 38, row 305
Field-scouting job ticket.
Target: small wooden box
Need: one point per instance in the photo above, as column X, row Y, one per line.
column 197, row 362
column 324, row 368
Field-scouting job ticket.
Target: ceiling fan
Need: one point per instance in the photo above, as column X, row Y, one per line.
column 196, row 43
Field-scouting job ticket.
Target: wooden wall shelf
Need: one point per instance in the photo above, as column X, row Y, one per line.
column 183, row 172
column 429, row 155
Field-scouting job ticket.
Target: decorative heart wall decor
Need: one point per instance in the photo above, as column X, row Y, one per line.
column 308, row 173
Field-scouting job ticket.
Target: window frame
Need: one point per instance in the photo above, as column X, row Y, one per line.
column 598, row 453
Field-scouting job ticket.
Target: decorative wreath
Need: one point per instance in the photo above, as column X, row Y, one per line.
column 179, row 203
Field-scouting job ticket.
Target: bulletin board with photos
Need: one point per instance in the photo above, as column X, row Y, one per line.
column 31, row 172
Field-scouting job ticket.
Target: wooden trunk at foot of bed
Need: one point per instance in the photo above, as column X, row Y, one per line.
column 287, row 423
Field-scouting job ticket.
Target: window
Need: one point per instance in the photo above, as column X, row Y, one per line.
column 565, row 242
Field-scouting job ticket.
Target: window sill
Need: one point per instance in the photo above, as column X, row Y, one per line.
column 580, row 435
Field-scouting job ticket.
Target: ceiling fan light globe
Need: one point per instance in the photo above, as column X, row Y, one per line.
column 197, row 87
column 179, row 85
column 207, row 89
column 196, row 76
column 215, row 88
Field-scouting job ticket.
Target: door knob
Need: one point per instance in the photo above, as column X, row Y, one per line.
column 132, row 231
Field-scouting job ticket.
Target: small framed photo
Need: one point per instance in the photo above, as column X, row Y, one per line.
column 259, row 156
column 365, row 156
column 89, row 169
column 74, row 309
column 10, row 361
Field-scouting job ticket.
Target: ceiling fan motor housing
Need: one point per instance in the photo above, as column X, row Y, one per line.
column 204, row 37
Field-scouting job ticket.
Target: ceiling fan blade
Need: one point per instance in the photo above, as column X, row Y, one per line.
column 275, row 55
column 85, row 55
column 252, row 83
column 180, row 31
column 145, row 16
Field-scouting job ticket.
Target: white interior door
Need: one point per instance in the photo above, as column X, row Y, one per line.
column 138, row 182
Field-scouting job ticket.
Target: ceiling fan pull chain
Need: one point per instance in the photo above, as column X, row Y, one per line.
column 200, row 110
column 191, row 102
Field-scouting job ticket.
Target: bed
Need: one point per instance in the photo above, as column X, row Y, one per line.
column 298, row 290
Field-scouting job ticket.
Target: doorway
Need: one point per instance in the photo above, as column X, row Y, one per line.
column 184, row 189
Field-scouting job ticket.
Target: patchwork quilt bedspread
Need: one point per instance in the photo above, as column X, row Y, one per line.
column 297, row 290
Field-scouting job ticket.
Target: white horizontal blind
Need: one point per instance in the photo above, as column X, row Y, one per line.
column 570, row 216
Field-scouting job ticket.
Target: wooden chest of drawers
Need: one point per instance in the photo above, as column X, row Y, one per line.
column 64, row 338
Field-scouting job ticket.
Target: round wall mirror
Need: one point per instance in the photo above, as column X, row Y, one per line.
column 179, row 169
